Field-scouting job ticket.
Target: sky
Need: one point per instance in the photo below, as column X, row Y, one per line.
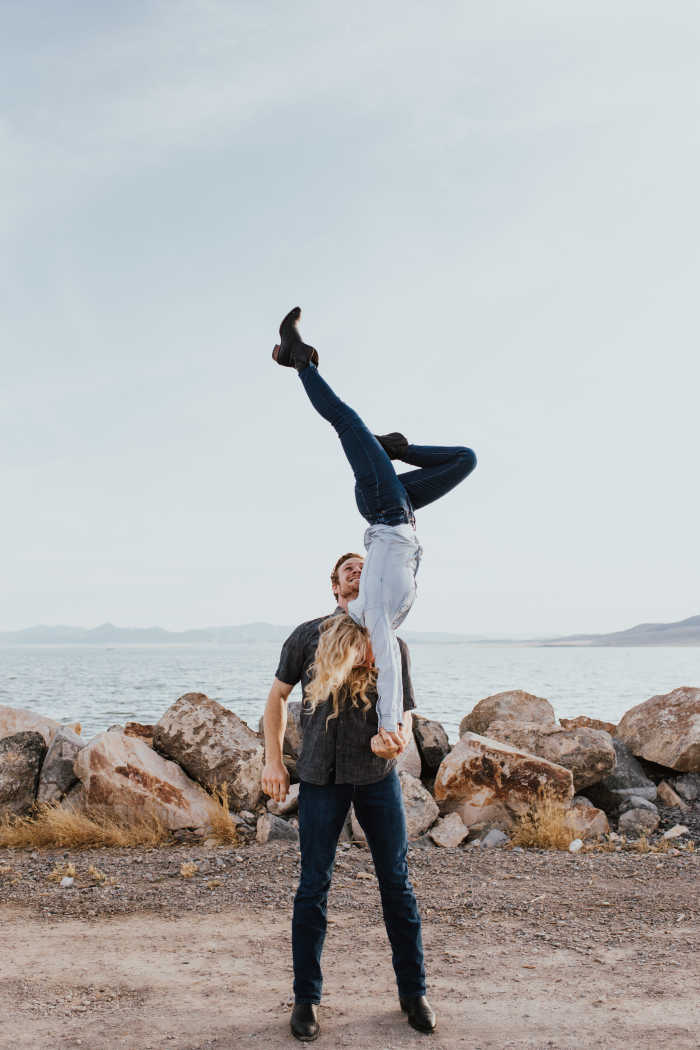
column 489, row 215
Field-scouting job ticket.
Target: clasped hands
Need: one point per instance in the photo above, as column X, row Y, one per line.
column 388, row 745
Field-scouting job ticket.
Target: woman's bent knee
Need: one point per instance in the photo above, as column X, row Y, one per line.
column 466, row 457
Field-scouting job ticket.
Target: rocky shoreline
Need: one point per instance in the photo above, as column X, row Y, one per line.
column 515, row 777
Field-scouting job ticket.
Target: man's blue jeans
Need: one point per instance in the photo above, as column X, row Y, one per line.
column 322, row 813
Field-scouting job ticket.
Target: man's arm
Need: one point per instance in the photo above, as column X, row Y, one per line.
column 406, row 728
column 275, row 778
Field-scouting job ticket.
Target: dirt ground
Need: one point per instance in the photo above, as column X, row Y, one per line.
column 524, row 950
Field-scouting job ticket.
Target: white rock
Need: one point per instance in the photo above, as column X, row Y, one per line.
column 66, row 882
column 449, row 831
column 575, row 846
column 676, row 831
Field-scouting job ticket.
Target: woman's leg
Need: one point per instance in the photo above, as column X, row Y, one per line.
column 441, row 469
column 380, row 495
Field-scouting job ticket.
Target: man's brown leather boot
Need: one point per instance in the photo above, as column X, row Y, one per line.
column 421, row 1015
column 304, row 1022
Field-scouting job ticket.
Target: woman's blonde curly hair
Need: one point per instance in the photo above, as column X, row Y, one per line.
column 340, row 671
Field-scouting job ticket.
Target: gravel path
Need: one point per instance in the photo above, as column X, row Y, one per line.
column 524, row 950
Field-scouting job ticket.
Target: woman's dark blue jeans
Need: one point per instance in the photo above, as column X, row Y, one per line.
column 381, row 494
column 322, row 813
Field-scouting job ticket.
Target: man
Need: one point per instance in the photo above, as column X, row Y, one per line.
column 337, row 766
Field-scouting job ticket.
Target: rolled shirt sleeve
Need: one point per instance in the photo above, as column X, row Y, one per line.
column 291, row 663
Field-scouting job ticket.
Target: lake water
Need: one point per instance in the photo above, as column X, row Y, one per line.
column 99, row 686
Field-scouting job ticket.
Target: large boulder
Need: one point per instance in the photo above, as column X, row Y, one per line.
column 57, row 772
column 627, row 779
column 432, row 742
column 124, row 778
column 409, row 759
column 21, row 756
column 419, row 805
column 512, row 706
column 214, row 746
column 18, row 720
column 588, row 753
column 486, row 780
column 665, row 730
column 420, row 809
column 590, row 723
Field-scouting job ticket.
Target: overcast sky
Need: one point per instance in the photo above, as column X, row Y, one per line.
column 489, row 214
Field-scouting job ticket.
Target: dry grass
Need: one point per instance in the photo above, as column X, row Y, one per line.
column 223, row 828
column 544, row 826
column 62, row 871
column 53, row 827
column 188, row 869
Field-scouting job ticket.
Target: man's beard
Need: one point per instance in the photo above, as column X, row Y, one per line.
column 350, row 592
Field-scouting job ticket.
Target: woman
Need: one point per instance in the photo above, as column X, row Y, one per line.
column 387, row 501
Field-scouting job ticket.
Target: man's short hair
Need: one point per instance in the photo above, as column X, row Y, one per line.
column 343, row 557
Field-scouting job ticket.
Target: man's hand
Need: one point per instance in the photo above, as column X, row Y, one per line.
column 275, row 780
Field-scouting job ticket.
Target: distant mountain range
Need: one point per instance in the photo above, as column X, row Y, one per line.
column 109, row 634
column 684, row 632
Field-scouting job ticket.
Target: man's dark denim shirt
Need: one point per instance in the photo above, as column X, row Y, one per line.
column 339, row 753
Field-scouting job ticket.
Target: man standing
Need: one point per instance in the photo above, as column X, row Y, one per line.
column 338, row 766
